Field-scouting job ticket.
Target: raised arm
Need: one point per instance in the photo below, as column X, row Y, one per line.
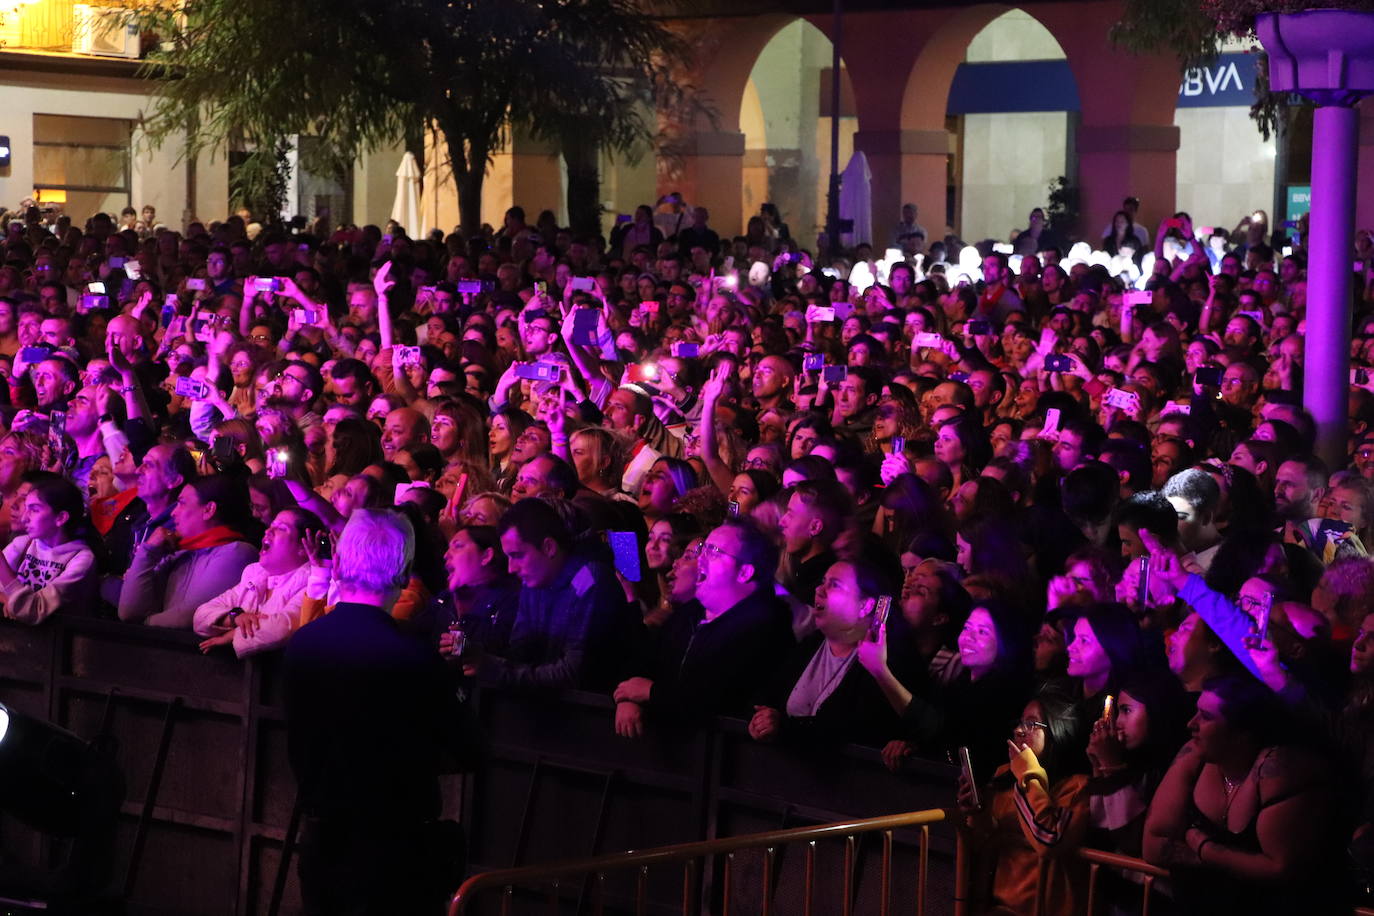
column 711, row 392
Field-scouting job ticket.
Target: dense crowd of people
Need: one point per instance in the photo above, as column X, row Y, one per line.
column 1055, row 510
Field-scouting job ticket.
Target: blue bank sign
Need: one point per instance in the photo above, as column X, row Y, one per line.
column 1227, row 81
column 1049, row 85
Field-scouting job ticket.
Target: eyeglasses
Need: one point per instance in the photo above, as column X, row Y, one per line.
column 1027, row 725
column 714, row 550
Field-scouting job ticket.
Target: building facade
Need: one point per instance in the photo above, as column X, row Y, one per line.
column 968, row 110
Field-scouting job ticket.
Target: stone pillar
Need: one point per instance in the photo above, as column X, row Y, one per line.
column 1326, row 356
column 907, row 166
column 527, row 173
column 1120, row 160
column 1327, row 56
column 712, row 176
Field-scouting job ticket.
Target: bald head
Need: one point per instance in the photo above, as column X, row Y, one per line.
column 124, row 333
column 772, row 377
column 405, row 428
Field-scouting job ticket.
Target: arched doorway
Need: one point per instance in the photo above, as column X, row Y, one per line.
column 1011, row 112
column 786, row 120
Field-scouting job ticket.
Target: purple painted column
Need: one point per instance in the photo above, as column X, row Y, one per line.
column 1326, row 364
column 1328, row 56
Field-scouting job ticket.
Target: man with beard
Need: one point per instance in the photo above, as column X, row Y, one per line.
column 294, row 391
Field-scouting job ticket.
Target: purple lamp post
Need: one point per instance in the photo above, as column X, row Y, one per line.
column 1328, row 57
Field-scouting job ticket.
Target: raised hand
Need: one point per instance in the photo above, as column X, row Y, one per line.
column 382, row 282
column 873, row 652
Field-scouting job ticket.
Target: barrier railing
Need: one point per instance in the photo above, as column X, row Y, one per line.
column 202, row 742
column 694, row 856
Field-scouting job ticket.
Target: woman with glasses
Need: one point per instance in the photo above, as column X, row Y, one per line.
column 243, row 360
column 1025, row 826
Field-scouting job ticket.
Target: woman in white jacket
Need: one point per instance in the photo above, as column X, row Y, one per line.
column 262, row 610
column 48, row 568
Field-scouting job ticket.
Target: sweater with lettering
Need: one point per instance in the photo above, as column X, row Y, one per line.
column 50, row 579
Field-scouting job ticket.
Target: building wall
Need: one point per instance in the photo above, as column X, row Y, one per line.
column 156, row 177
column 787, row 142
column 1225, row 169
column 1015, row 35
column 374, row 188
column 1009, row 161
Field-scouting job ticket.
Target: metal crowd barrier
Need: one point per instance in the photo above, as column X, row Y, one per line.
column 693, row 857
column 202, row 742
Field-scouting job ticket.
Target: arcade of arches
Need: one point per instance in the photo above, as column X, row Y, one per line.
column 767, row 77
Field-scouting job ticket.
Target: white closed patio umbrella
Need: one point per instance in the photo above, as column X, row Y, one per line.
column 856, row 198
column 406, row 209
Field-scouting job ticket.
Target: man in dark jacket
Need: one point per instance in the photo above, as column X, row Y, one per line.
column 714, row 664
column 368, row 715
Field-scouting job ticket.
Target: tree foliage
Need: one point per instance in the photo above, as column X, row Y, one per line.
column 357, row 74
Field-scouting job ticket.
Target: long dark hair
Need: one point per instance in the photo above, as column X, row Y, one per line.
column 357, row 444
column 61, row 495
column 1251, row 708
column 1119, row 635
column 1066, row 737
column 1167, row 706
column 1013, row 637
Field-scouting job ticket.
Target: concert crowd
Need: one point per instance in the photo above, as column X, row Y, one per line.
column 1049, row 511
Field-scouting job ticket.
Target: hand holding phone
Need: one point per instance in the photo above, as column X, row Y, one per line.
column 537, row 372
column 192, row 388
column 880, row 611
column 277, row 461
column 1142, row 586
column 966, row 771
column 625, row 552
column 1121, row 399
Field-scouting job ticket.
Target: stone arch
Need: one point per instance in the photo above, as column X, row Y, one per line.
column 787, row 145
column 926, row 143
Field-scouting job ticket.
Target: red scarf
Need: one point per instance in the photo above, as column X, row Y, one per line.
column 104, row 512
column 214, row 537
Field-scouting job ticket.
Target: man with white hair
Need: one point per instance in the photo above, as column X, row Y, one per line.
column 367, row 717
